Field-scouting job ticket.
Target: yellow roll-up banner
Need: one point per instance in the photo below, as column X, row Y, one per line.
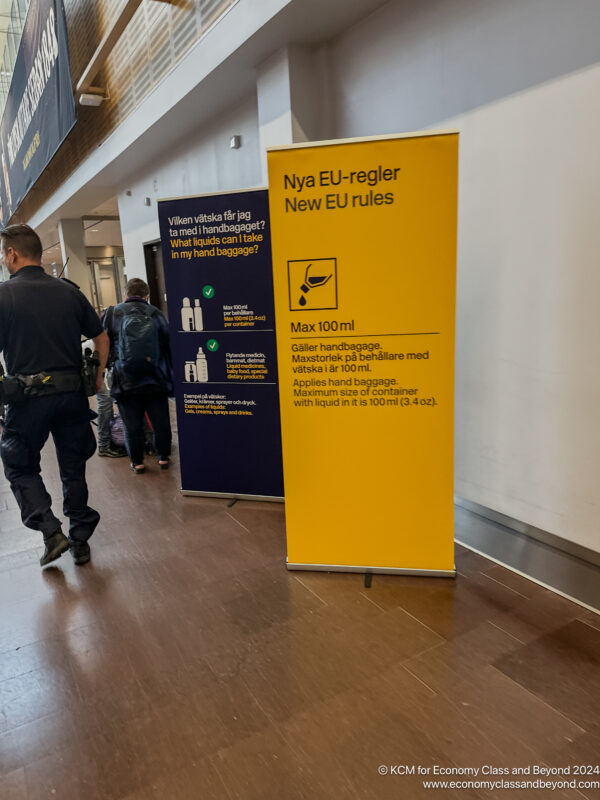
column 364, row 261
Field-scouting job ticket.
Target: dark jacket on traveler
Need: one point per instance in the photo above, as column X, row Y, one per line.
column 159, row 374
column 142, row 377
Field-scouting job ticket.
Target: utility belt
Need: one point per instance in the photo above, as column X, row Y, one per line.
column 17, row 388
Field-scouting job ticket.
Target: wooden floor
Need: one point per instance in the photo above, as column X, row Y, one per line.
column 186, row 662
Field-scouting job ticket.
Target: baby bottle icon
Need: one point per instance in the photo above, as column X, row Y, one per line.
column 201, row 367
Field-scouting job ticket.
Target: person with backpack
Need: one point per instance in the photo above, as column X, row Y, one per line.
column 142, row 376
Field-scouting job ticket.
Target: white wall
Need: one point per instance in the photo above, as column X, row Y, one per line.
column 520, row 79
column 205, row 163
column 527, row 432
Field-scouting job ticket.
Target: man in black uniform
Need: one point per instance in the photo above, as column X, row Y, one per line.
column 42, row 320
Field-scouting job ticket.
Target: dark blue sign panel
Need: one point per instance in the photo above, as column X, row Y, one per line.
column 40, row 109
column 219, row 280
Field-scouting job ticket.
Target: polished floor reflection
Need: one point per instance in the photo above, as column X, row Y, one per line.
column 185, row 662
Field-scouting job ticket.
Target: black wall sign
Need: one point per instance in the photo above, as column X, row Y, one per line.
column 219, row 278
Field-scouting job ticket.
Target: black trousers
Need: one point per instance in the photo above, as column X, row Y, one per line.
column 27, row 427
column 132, row 407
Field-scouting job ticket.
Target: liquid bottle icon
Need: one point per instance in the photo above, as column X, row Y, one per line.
column 187, row 315
column 198, row 319
column 201, row 367
column 311, row 282
column 191, row 373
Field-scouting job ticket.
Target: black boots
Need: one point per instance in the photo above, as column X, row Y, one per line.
column 56, row 545
column 80, row 552
column 110, row 451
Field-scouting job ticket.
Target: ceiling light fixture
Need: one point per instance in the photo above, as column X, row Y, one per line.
column 87, row 99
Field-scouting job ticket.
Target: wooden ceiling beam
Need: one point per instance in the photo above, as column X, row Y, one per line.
column 110, row 38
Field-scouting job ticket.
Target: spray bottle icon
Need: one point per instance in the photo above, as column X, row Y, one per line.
column 191, row 318
column 198, row 318
column 187, row 315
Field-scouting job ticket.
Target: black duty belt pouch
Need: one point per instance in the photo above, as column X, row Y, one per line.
column 89, row 372
column 11, row 390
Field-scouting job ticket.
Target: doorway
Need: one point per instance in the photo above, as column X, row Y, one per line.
column 155, row 273
column 107, row 282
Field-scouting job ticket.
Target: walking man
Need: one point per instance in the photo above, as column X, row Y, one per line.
column 42, row 321
column 142, row 372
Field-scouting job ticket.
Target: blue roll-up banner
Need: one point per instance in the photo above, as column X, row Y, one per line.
column 219, row 280
column 40, row 109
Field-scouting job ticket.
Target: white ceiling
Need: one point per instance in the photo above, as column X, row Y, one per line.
column 110, row 208
column 104, row 233
column 98, row 233
column 108, row 233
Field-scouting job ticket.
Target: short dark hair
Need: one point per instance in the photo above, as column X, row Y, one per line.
column 136, row 287
column 24, row 240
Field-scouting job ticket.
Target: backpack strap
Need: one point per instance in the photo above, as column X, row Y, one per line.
column 108, row 318
column 107, row 324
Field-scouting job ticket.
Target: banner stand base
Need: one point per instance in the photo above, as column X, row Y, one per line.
column 423, row 573
column 226, row 496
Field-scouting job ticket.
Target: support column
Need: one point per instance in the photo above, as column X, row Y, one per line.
column 291, row 91
column 72, row 245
